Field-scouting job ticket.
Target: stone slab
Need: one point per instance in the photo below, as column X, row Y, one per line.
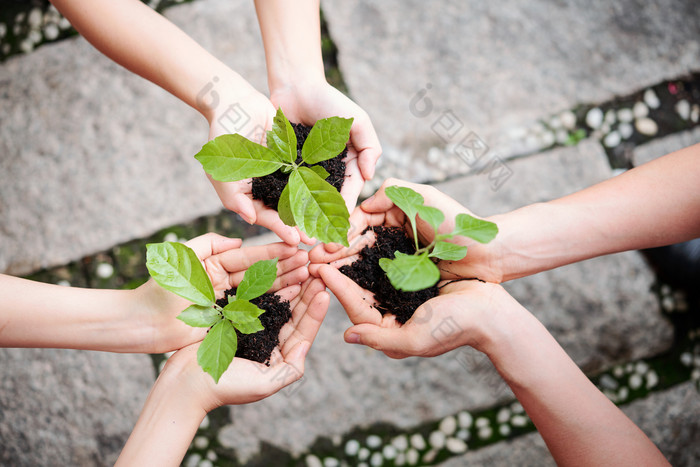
column 67, row 407
column 666, row 145
column 92, row 155
column 429, row 73
column 601, row 311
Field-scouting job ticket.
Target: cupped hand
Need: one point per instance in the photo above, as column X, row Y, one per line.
column 311, row 101
column 463, row 314
column 247, row 381
column 225, row 263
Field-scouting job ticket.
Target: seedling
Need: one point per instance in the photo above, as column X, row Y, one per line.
column 307, row 201
column 410, row 273
column 175, row 267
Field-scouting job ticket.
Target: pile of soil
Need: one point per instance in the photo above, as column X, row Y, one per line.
column 367, row 273
column 259, row 346
column 269, row 188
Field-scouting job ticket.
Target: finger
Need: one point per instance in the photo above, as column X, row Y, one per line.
column 243, row 206
column 380, row 202
column 270, row 219
column 395, row 342
column 308, row 323
column 289, row 293
column 358, row 241
column 305, row 239
column 211, row 243
column 352, row 186
column 290, row 271
column 365, row 141
column 356, row 300
column 241, row 259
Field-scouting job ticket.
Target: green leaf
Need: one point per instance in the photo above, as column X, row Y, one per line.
column 406, row 199
column 410, row 273
column 326, row 139
column 229, row 158
column 477, row 229
column 175, row 267
column 257, row 279
column 320, row 171
column 318, row 208
column 284, row 209
column 218, row 348
column 448, row 251
column 244, row 316
column 282, row 138
column 199, row 316
column 431, row 215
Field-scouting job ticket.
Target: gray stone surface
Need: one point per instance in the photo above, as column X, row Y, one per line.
column 670, row 418
column 67, row 407
column 495, row 67
column 601, row 311
column 662, row 146
column 91, row 155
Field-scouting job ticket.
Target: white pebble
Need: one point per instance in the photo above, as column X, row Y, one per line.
column 625, row 115
column 389, row 452
column 211, row 455
column 206, row 463
column 594, row 117
column 363, row 454
column 430, row 456
column 547, row 139
column 618, row 371
column 504, row 429
column 635, row 381
column 331, row 462
column 641, row 367
column 485, row 432
column 555, row 122
column 610, row 395
column 562, row 136
column 640, row 110
column 695, row 114
column 5, row 48
column 517, row 407
column 63, row 283
column 464, row 419
column 605, row 128
column 16, row 29
column 456, row 446
column 482, row 422
column 170, row 237
column 629, row 368
column 610, row 117
column 665, row 289
column 400, row 459
column 448, row 425
column 463, row 434
column 683, row 109
column 612, row 139
column 193, row 460
column 516, row 133
column 503, row 415
column 35, row 17
column 376, row 460
column 352, row 447
column 20, row 17
column 3, row 30
column 519, row 420
column 686, row 358
column 418, row 442
column 695, row 374
column 667, row 303
column 63, row 23
column 374, row 441
column 313, row 461
column 651, row 99
column 26, row 46
column 568, row 120
column 205, row 423
column 362, row 464
column 623, row 394
column 608, row 382
column 400, row 443
column 437, row 439
column 412, row 457
column 646, row 126
column 51, row 32
column 626, row 130
column 104, row 270
column 652, row 379
column 201, row 442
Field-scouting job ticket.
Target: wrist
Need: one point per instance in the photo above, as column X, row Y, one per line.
column 222, row 91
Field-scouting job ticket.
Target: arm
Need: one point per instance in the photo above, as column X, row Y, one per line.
column 183, row 394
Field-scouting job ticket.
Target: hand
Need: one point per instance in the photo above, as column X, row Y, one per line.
column 246, row 381
column 313, row 100
column 380, row 210
column 225, row 263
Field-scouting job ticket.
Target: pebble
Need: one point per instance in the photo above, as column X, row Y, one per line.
column 623, row 394
column 412, row 457
column 695, row 374
column 651, row 99
column 206, row 463
column 516, row 133
column 463, row 434
column 63, row 23
column 519, row 420
column 640, row 110
column 63, row 283
column 456, row 446
column 170, row 237
column 331, row 462
column 352, row 447
column 635, row 381
column 104, row 270
column 437, row 439
column 430, row 456
column 594, row 118
column 667, row 303
column 503, row 415
column 612, row 139
column 562, row 136
column 517, row 407
column 363, row 454
column 400, row 459
column 205, row 423
column 547, row 139
column 26, row 46
column 568, row 120
column 482, row 422
column 625, row 115
column 608, row 382
column 686, row 358
column 504, row 429
column 374, row 441
column 464, row 419
column 376, row 460
column 418, row 442
column 389, row 451
column 448, row 425
column 626, row 130
column 400, row 443
column 683, row 109
column 3, row 30
column 35, row 17
column 51, row 32
column 434, row 155
column 485, row 432
column 646, row 126
column 555, row 123
column 211, row 455
column 6, row 49
column 610, row 117
column 313, row 461
column 641, row 367
column 618, row 371
column 652, row 379
column 201, row 442
column 695, row 114
column 605, row 128
column 193, row 460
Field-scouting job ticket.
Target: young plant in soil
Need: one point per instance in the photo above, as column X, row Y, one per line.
column 308, row 200
column 417, row 271
column 175, row 267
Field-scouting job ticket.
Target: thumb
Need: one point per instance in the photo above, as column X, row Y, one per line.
column 391, row 341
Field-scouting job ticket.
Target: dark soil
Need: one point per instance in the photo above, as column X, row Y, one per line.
column 259, row 346
column 269, row 188
column 367, row 273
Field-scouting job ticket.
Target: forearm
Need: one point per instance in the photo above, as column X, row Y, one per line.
column 653, row 205
column 34, row 314
column 578, row 423
column 146, row 43
column 291, row 33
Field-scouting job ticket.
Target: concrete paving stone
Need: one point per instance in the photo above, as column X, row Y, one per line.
column 67, row 407
column 670, row 418
column 601, row 311
column 92, row 155
column 431, row 73
column 662, row 146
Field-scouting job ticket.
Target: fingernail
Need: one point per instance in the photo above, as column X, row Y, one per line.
column 353, row 339
column 368, row 200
